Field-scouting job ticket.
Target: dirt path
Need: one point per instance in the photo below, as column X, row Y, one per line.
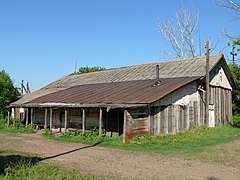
column 118, row 164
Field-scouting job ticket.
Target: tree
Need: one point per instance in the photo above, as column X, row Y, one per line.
column 8, row 93
column 235, row 70
column 87, row 69
column 179, row 35
column 229, row 4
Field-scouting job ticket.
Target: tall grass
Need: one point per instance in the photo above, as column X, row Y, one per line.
column 16, row 126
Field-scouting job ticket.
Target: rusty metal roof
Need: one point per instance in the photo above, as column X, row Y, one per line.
column 170, row 69
column 115, row 93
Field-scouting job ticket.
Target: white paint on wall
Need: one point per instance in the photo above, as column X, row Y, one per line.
column 181, row 96
column 219, row 78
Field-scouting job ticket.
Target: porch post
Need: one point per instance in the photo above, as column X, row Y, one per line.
column 65, row 123
column 31, row 117
column 51, row 113
column 124, row 126
column 149, row 119
column 100, row 122
column 8, row 120
column 15, row 116
column 26, row 117
column 45, row 119
column 83, row 121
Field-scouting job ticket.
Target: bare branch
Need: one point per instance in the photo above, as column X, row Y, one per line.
column 229, row 4
column 180, row 35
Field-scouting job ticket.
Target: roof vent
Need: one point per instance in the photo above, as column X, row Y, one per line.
column 158, row 82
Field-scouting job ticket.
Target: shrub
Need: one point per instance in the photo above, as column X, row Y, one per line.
column 47, row 133
column 91, row 135
column 236, row 120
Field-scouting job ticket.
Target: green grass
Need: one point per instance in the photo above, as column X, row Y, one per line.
column 18, row 165
column 19, row 127
column 184, row 143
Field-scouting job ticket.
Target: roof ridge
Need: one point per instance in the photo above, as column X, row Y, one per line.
column 149, row 63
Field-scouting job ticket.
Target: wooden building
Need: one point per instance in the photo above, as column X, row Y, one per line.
column 155, row 98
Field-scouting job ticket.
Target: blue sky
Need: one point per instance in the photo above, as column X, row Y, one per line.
column 40, row 40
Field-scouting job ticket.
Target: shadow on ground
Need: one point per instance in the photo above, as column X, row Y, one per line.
column 11, row 160
column 71, row 151
column 15, row 159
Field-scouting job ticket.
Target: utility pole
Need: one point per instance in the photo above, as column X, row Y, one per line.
column 207, row 84
column 233, row 54
column 22, row 88
column 28, row 88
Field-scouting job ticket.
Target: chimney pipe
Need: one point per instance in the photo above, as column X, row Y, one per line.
column 157, row 83
column 157, row 72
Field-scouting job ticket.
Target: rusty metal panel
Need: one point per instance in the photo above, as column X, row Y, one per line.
column 129, row 92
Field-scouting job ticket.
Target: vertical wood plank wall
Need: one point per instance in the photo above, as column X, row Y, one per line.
column 137, row 122
column 175, row 118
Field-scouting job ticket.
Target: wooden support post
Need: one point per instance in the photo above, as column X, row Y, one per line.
column 100, row 122
column 149, row 119
column 31, row 117
column 27, row 117
column 65, row 122
column 45, row 119
column 8, row 120
column 124, row 126
column 207, row 85
column 51, row 116
column 15, row 116
column 83, row 121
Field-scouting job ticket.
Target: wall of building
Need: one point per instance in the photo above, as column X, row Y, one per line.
column 137, row 122
column 185, row 108
column 218, row 77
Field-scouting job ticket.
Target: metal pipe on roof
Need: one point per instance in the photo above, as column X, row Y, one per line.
column 157, row 72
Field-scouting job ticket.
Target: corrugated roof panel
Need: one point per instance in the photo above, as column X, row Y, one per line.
column 128, row 92
column 171, row 69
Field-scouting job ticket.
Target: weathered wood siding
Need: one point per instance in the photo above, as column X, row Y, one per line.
column 75, row 118
column 137, row 122
column 173, row 118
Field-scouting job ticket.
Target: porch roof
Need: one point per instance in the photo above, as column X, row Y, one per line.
column 115, row 94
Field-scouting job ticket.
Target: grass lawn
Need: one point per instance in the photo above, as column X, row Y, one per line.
column 205, row 144
column 18, row 128
column 17, row 165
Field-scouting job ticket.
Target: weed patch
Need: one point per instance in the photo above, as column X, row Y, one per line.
column 17, row 165
column 15, row 127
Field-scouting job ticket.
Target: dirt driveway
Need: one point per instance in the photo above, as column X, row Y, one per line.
column 118, row 164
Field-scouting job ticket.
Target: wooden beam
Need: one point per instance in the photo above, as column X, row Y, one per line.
column 65, row 122
column 15, row 116
column 100, row 122
column 149, row 119
column 45, row 119
column 27, row 117
column 31, row 117
column 8, row 120
column 51, row 116
column 124, row 126
column 83, row 121
column 207, row 84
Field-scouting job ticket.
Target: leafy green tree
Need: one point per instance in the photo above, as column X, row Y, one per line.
column 87, row 69
column 235, row 70
column 8, row 93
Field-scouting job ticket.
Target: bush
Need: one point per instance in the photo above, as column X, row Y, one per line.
column 47, row 133
column 91, row 135
column 16, row 126
column 236, row 120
